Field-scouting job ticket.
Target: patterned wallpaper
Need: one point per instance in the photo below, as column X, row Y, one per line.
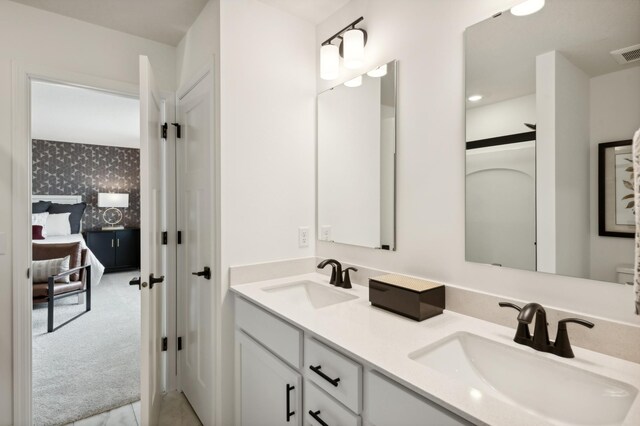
column 62, row 168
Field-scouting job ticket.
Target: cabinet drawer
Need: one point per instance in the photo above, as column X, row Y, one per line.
column 281, row 338
column 388, row 403
column 327, row 409
column 339, row 376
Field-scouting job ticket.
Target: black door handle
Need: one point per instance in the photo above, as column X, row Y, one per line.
column 316, row 416
column 289, row 412
column 135, row 281
column 316, row 370
column 153, row 280
column 206, row 273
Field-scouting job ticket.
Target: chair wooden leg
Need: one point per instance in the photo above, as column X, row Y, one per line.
column 50, row 306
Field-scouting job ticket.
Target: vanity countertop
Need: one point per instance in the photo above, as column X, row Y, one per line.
column 383, row 341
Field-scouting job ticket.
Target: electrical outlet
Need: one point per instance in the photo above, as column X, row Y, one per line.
column 325, row 233
column 303, row 236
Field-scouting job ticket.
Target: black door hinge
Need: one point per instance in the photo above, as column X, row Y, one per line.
column 163, row 130
column 164, row 344
column 178, row 130
column 165, row 238
column 179, row 343
column 179, row 237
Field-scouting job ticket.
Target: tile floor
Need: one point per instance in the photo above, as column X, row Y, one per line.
column 175, row 410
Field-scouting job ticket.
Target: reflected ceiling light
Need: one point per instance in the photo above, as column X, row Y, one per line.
column 381, row 71
column 352, row 42
column 474, row 98
column 355, row 82
column 527, row 7
column 329, row 62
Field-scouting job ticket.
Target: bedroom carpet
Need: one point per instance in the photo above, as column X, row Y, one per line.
column 92, row 364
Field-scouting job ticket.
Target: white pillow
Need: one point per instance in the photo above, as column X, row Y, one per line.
column 43, row 269
column 58, row 224
column 40, row 219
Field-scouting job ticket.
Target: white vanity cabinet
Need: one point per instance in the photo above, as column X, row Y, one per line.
column 277, row 364
column 270, row 391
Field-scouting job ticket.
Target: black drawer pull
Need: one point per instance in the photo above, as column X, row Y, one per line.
column 289, row 412
column 316, row 370
column 316, row 416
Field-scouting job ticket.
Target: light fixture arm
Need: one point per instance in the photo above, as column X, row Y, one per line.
column 351, row 26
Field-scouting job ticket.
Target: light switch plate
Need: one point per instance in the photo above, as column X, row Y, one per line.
column 3, row 243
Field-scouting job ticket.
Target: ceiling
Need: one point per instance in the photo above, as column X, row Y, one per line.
column 500, row 52
column 165, row 21
column 314, row 11
column 74, row 114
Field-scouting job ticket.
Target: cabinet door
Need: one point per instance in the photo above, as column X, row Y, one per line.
column 388, row 403
column 128, row 248
column 103, row 244
column 270, row 391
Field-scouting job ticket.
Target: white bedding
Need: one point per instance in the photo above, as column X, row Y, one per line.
column 97, row 268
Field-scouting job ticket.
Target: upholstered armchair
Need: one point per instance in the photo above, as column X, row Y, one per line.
column 79, row 278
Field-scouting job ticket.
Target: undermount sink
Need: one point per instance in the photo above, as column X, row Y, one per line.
column 556, row 391
column 309, row 294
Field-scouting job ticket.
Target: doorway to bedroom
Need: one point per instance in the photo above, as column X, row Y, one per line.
column 85, row 169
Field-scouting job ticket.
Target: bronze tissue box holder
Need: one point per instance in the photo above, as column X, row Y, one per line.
column 410, row 297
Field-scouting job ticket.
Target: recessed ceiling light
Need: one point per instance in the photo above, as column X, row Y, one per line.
column 474, row 98
column 527, row 7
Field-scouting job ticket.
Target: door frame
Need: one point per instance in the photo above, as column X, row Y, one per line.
column 208, row 72
column 22, row 74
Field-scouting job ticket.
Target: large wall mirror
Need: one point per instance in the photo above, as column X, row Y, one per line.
column 356, row 160
column 552, row 102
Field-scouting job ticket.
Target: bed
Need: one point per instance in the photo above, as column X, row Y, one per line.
column 97, row 268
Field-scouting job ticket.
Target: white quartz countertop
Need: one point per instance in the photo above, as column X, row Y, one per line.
column 383, row 341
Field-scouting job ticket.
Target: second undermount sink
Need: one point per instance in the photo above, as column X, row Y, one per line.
column 309, row 294
column 559, row 392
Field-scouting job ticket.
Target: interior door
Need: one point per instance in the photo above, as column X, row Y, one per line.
column 195, row 214
column 151, row 203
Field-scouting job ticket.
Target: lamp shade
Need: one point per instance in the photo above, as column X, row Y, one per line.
column 381, row 71
column 113, row 200
column 354, row 82
column 353, row 48
column 527, row 7
column 329, row 62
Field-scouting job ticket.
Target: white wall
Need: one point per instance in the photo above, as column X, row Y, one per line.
column 501, row 118
column 349, row 152
column 267, row 128
column 571, row 169
column 427, row 38
column 80, row 115
column 34, row 36
column 615, row 116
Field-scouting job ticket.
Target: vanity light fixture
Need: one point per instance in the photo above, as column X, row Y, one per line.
column 354, row 82
column 527, row 7
column 351, row 48
column 381, row 71
column 474, row 98
column 329, row 62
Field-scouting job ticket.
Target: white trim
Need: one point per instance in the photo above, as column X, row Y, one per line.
column 170, row 250
column 21, row 76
